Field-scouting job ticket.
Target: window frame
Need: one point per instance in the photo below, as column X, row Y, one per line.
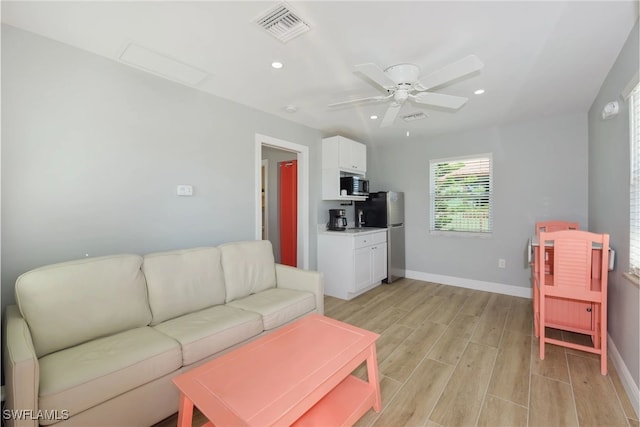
column 432, row 197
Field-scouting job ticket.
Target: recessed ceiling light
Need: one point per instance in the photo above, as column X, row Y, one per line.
column 408, row 133
column 374, row 117
column 290, row 108
column 479, row 92
column 277, row 65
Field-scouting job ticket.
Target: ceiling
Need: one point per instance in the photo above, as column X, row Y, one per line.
column 541, row 58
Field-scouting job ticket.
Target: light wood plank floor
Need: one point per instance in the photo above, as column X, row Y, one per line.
column 451, row 356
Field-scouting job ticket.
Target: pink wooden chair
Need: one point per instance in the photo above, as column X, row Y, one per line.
column 576, row 280
column 548, row 226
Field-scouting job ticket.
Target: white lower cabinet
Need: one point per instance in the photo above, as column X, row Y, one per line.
column 352, row 263
column 379, row 261
column 362, row 267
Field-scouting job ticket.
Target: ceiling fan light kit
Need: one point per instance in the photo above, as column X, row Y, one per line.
column 402, row 80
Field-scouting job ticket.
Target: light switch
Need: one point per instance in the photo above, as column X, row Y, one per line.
column 184, row 190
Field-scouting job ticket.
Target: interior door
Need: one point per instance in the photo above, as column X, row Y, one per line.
column 288, row 212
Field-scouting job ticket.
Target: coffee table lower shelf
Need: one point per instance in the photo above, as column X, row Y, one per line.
column 342, row 406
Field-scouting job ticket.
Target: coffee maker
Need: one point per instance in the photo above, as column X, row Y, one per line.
column 337, row 220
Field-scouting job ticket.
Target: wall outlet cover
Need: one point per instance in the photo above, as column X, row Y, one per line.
column 184, row 190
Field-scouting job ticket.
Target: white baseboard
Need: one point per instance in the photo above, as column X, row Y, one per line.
column 625, row 376
column 516, row 291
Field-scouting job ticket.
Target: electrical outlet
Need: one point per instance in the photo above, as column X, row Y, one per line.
column 184, row 190
column 502, row 263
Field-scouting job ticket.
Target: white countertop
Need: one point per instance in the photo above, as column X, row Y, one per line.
column 351, row 231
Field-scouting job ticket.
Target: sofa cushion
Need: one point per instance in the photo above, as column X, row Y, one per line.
column 73, row 302
column 183, row 281
column 249, row 267
column 211, row 330
column 278, row 306
column 86, row 375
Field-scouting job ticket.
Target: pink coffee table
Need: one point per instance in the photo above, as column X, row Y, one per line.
column 299, row 374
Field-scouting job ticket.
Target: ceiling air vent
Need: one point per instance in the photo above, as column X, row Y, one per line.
column 414, row 117
column 282, row 23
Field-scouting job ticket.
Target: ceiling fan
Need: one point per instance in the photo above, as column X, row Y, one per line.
column 401, row 81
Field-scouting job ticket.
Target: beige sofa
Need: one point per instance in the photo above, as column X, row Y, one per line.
column 97, row 341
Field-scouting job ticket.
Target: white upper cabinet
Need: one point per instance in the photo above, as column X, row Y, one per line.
column 341, row 157
column 344, row 154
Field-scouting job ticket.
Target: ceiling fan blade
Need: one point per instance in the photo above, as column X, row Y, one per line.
column 466, row 65
column 367, row 99
column 375, row 73
column 440, row 100
column 390, row 115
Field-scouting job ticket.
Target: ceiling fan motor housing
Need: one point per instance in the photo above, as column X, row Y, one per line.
column 404, row 75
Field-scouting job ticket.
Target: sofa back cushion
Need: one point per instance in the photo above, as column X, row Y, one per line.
column 77, row 301
column 183, row 281
column 249, row 267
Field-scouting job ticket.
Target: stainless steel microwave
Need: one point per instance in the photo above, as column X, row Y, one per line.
column 354, row 186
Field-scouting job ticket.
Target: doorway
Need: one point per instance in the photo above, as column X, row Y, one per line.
column 288, row 212
column 300, row 153
column 281, row 216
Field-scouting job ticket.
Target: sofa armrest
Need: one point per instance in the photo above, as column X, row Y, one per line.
column 21, row 371
column 302, row 280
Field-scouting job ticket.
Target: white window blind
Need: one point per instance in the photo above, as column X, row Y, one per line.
column 461, row 194
column 634, row 199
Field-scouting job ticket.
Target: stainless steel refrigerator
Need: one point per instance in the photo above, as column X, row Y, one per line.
column 385, row 209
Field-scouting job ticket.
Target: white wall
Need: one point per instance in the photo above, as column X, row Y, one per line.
column 609, row 202
column 93, row 151
column 539, row 173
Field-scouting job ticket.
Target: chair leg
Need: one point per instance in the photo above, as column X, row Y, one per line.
column 602, row 311
column 536, row 312
column 541, row 328
column 596, row 326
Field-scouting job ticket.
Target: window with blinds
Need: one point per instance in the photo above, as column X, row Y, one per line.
column 634, row 199
column 461, row 194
